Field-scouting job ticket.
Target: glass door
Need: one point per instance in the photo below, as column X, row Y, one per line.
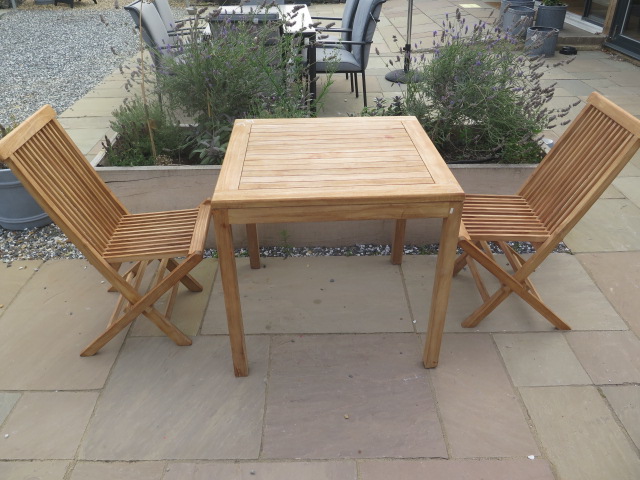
column 625, row 31
column 596, row 11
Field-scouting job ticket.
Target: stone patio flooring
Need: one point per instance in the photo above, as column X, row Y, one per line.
column 336, row 388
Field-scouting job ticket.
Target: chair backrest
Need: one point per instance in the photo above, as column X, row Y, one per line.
column 348, row 15
column 166, row 14
column 154, row 32
column 54, row 171
column 364, row 26
column 582, row 164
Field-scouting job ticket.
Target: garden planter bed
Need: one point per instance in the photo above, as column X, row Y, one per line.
column 144, row 189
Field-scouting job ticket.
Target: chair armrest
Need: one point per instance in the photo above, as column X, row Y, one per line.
column 322, row 29
column 201, row 228
column 326, row 18
column 342, row 42
column 180, row 32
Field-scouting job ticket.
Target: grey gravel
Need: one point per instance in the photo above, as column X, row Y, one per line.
column 49, row 242
column 57, row 56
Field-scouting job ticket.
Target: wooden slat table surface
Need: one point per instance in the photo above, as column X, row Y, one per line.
column 327, row 169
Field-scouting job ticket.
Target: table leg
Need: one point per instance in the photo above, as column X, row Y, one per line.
column 229, row 276
column 253, row 246
column 442, row 286
column 397, row 248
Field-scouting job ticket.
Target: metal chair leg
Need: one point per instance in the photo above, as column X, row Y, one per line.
column 364, row 89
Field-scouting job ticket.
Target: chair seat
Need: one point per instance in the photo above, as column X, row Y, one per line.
column 153, row 235
column 502, row 217
column 336, row 59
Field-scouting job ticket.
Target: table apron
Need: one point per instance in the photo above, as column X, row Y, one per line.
column 328, row 213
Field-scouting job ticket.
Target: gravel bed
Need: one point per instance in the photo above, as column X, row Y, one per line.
column 49, row 242
column 56, row 55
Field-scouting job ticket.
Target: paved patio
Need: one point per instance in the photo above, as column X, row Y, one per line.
column 336, row 388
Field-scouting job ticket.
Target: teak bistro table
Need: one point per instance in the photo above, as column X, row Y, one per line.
column 328, row 169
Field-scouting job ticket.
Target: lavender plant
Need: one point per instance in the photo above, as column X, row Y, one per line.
column 244, row 69
column 135, row 147
column 479, row 96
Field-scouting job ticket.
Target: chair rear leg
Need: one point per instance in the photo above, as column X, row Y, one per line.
column 460, row 263
column 516, row 263
column 397, row 249
column 188, row 281
column 134, row 277
column 253, row 245
column 477, row 278
column 364, row 89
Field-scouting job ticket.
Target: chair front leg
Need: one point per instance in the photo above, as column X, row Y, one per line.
column 510, row 284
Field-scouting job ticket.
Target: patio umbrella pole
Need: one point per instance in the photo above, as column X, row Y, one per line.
column 402, row 75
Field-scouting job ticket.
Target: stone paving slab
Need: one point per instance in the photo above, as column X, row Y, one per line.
column 608, row 357
column 92, row 107
column 625, row 401
column 42, row 333
column 562, row 282
column 13, row 278
column 540, row 359
column 480, row 410
column 630, row 186
column 611, row 225
column 579, row 435
column 169, row 402
column 85, row 138
column 333, row 470
column 350, row 396
column 7, row 402
column 616, row 274
column 46, row 425
column 40, row 470
column 502, row 469
column 316, row 295
column 118, row 471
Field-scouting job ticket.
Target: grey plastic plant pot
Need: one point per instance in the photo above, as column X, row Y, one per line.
column 504, row 4
column 516, row 20
column 552, row 16
column 541, row 41
column 18, row 210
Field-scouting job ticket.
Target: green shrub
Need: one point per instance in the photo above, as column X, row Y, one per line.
column 132, row 122
column 243, row 70
column 477, row 96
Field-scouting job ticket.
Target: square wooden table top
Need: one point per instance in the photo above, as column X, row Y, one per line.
column 332, row 161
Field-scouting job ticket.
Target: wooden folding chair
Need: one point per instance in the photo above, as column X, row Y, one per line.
column 55, row 172
column 572, row 176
